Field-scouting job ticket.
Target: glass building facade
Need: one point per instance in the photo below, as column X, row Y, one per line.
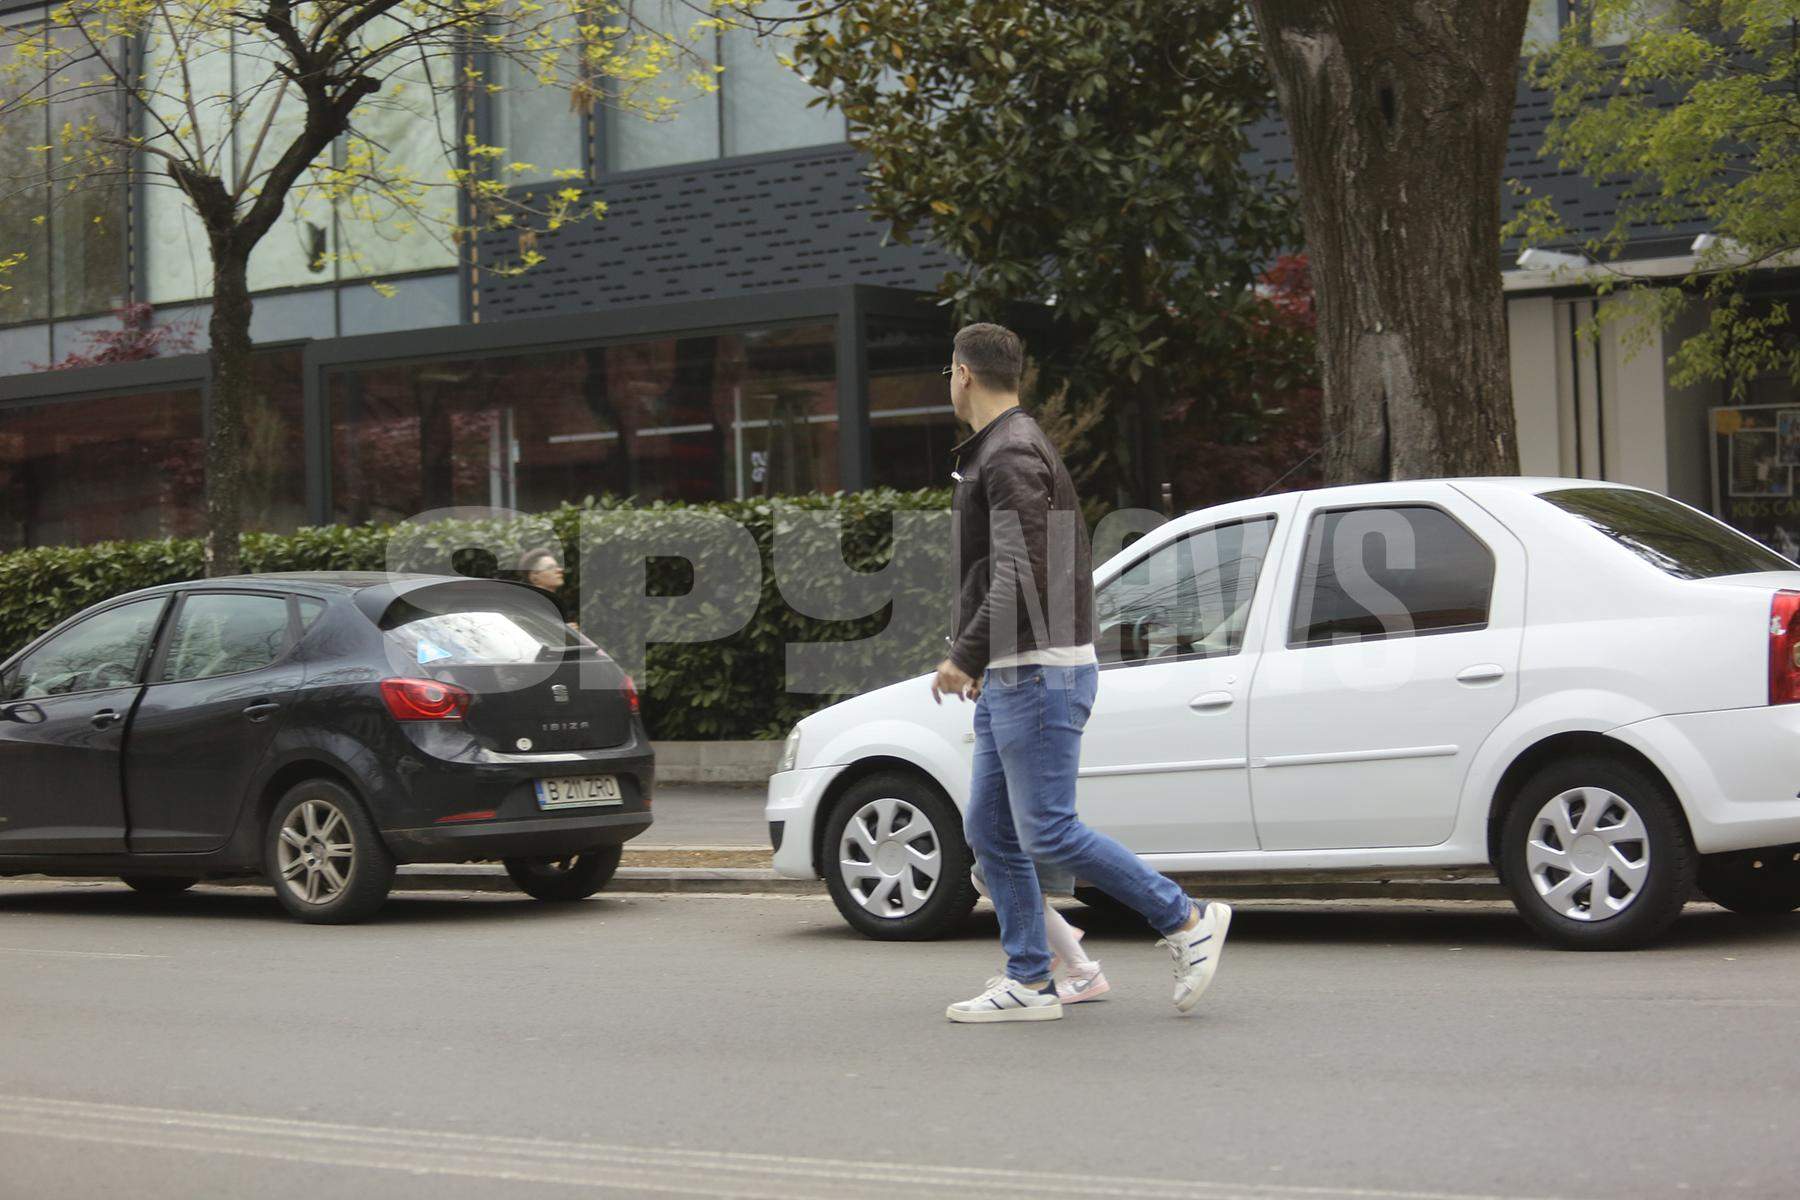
column 753, row 336
column 837, row 389
column 93, row 248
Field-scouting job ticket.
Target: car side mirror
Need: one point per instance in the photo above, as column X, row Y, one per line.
column 24, row 712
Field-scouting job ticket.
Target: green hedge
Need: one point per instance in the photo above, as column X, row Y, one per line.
column 734, row 687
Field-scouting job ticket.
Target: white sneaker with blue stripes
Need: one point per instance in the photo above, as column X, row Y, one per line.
column 1007, row 1000
column 1196, row 953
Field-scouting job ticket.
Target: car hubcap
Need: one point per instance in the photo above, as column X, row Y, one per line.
column 317, row 852
column 890, row 858
column 1588, row 854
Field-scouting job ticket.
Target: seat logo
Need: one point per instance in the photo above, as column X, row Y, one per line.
column 559, row 692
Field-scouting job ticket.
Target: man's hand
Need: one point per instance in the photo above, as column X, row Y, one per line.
column 953, row 681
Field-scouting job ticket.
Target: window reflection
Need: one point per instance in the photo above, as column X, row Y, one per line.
column 1191, row 597
column 89, row 470
column 73, row 238
column 693, row 418
column 911, row 424
column 129, row 467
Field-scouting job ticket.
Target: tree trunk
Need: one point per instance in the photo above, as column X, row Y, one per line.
column 1399, row 115
column 229, row 394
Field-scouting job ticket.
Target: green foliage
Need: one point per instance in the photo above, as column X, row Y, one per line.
column 1087, row 154
column 730, row 688
column 1694, row 110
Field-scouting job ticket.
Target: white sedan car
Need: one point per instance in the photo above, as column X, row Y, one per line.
column 1592, row 689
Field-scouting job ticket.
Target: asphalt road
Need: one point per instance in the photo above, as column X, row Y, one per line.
column 486, row 1046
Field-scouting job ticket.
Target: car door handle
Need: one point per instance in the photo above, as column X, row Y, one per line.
column 263, row 711
column 1211, row 702
column 1480, row 673
column 105, row 717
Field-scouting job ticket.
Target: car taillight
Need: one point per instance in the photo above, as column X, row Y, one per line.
column 1784, row 646
column 424, row 700
column 631, row 693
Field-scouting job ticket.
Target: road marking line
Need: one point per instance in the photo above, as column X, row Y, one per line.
column 600, row 1165
column 76, row 953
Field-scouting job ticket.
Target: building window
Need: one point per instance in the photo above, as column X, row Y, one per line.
column 315, row 240
column 274, row 496
column 1543, row 21
column 72, row 230
column 708, row 417
column 689, row 130
column 538, row 125
column 912, row 427
column 764, row 99
column 785, row 420
column 85, row 471
column 132, row 467
column 760, row 103
column 176, row 263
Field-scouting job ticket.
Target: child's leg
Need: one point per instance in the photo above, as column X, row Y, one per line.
column 1064, row 938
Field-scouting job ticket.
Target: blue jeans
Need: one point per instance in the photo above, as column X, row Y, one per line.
column 1028, row 724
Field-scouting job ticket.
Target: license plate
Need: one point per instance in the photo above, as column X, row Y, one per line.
column 579, row 791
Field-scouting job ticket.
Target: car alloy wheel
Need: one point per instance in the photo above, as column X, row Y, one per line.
column 890, row 857
column 1588, row 854
column 316, row 852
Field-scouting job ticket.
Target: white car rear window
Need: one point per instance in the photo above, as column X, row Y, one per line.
column 1685, row 543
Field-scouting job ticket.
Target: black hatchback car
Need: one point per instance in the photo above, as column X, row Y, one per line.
column 319, row 729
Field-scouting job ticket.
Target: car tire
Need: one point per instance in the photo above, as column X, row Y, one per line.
column 1592, row 822
column 560, row 881
column 159, row 885
column 320, row 814
column 1762, row 882
column 876, row 883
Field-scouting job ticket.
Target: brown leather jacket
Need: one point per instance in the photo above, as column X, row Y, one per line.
column 1023, row 564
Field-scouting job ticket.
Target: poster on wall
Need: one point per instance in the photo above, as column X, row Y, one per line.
column 1755, row 455
column 1787, row 437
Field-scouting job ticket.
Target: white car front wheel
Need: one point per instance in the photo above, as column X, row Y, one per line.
column 894, row 858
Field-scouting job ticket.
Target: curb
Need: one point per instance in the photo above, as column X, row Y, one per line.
column 761, row 881
column 744, row 763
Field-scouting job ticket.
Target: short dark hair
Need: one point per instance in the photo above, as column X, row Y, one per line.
column 528, row 561
column 994, row 355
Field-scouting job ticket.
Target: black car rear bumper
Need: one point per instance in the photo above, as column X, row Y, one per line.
column 533, row 837
column 449, row 800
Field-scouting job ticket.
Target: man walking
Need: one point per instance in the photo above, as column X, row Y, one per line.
column 1024, row 629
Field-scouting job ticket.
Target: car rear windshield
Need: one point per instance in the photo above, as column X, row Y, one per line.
column 1686, row 544
column 441, row 627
